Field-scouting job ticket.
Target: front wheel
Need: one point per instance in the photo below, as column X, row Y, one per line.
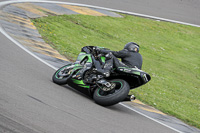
column 114, row 96
column 62, row 74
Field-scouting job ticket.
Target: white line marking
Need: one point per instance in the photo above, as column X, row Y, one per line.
column 18, row 44
column 150, row 118
column 125, row 12
column 109, row 9
column 142, row 15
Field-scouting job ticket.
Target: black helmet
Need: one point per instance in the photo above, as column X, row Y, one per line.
column 131, row 46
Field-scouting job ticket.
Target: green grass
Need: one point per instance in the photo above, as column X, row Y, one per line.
column 170, row 55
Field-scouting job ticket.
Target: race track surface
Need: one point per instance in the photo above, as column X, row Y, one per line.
column 31, row 103
column 179, row 10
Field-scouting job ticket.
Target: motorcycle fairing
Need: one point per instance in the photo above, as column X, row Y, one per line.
column 136, row 76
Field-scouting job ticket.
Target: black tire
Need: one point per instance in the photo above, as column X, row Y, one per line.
column 114, row 96
column 60, row 80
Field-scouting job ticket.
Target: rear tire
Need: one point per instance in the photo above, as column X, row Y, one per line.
column 115, row 96
column 60, row 79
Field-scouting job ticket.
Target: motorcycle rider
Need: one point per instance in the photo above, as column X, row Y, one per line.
column 130, row 57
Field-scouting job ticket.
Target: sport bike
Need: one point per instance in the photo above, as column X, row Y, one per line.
column 83, row 76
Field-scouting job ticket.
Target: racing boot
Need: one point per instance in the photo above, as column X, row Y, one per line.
column 105, row 73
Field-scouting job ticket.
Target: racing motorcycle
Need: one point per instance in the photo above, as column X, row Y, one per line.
column 83, row 76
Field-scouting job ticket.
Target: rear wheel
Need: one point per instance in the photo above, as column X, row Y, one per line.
column 62, row 74
column 113, row 96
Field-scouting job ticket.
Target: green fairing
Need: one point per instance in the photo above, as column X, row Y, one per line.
column 83, row 55
column 90, row 59
column 103, row 59
column 80, row 82
column 137, row 73
column 84, row 86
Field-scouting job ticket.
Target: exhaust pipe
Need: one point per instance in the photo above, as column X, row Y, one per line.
column 130, row 98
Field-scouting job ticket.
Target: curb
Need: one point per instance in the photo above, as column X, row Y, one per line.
column 15, row 20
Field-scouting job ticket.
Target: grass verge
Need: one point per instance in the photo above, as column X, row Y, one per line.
column 170, row 53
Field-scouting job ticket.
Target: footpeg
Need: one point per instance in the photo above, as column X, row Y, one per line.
column 130, row 98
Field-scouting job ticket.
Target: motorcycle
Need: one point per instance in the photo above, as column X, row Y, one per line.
column 83, row 76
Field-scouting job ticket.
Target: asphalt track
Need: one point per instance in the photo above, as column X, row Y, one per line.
column 180, row 10
column 30, row 102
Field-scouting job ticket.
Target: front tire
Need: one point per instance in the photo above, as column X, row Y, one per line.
column 118, row 94
column 61, row 76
